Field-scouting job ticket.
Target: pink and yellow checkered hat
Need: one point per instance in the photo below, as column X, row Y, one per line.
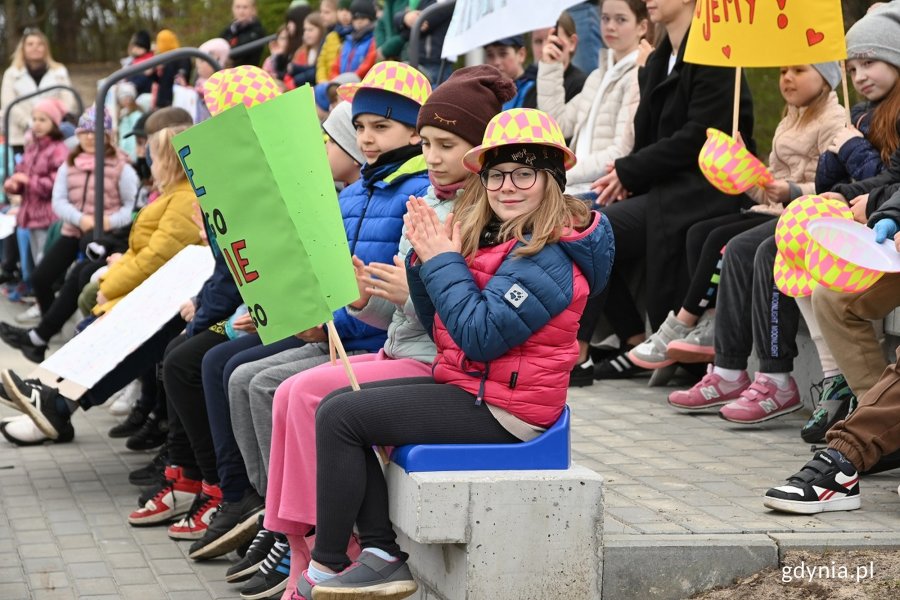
column 391, row 76
column 791, row 275
column 519, row 126
column 245, row 85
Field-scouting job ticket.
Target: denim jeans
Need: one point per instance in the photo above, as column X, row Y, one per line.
column 587, row 26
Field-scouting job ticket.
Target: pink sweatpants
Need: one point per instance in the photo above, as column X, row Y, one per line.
column 291, row 493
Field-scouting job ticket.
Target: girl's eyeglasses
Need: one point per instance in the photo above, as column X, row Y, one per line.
column 522, row 178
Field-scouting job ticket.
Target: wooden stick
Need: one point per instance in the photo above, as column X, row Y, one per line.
column 332, row 351
column 737, row 102
column 334, row 341
column 846, row 91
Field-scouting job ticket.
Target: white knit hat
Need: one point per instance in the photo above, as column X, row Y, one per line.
column 339, row 127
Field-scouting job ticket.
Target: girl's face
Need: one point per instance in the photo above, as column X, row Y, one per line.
column 667, row 11
column 311, row 35
column 376, row 135
column 34, row 49
column 800, row 84
column 87, row 141
column 874, row 79
column 509, row 200
column 41, row 124
column 443, row 152
column 619, row 27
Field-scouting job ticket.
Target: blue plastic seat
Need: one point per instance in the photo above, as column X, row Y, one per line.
column 549, row 451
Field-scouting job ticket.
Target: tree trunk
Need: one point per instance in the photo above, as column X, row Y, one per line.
column 12, row 26
column 66, row 37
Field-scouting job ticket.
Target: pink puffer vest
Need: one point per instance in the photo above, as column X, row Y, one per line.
column 531, row 380
column 81, row 180
column 42, row 160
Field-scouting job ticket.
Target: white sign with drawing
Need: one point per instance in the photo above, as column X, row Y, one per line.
column 476, row 23
column 96, row 351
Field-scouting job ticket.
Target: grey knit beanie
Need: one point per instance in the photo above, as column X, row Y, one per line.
column 339, row 127
column 877, row 35
column 830, row 72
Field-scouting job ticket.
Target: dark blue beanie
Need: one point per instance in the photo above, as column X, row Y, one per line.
column 385, row 104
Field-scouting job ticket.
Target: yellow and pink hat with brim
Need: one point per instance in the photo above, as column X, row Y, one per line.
column 842, row 256
column 391, row 76
column 519, row 126
column 791, row 238
column 247, row 85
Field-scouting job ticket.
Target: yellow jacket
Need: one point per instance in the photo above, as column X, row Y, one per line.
column 160, row 231
column 329, row 53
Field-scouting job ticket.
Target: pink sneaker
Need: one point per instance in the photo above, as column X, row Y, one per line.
column 710, row 391
column 762, row 401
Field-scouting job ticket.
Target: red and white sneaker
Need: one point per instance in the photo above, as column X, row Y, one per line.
column 762, row 401
column 193, row 525
column 173, row 499
column 712, row 390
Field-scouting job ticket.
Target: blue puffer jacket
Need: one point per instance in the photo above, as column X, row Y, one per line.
column 856, row 160
column 373, row 219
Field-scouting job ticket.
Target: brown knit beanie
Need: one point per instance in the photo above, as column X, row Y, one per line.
column 467, row 101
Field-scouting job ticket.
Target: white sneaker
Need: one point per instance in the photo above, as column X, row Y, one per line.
column 124, row 400
column 32, row 315
column 22, row 431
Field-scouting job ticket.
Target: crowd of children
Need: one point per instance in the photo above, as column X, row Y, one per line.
column 483, row 273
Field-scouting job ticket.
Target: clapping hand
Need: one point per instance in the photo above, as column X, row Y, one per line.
column 427, row 234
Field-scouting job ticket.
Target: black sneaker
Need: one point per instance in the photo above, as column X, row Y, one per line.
column 232, row 525
column 252, row 560
column 151, row 473
column 582, row 375
column 7, row 400
column 272, row 577
column 826, row 483
column 619, row 367
column 18, row 338
column 38, row 401
column 835, row 399
column 131, row 425
column 152, row 434
column 370, row 573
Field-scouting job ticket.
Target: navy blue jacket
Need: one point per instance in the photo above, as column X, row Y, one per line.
column 218, row 298
column 857, row 159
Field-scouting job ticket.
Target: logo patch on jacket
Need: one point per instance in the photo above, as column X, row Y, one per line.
column 515, row 295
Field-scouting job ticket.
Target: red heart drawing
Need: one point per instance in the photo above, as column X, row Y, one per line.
column 781, row 4
column 726, row 50
column 813, row 37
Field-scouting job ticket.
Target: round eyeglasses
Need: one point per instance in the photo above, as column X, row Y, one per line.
column 522, row 178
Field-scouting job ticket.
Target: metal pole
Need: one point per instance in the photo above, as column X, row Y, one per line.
column 252, row 45
column 100, row 128
column 6, row 144
column 433, row 12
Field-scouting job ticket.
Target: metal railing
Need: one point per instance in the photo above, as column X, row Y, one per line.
column 8, row 111
column 99, row 126
column 433, row 12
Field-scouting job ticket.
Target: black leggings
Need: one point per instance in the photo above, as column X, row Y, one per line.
column 705, row 242
column 190, row 440
column 350, row 484
column 66, row 302
column 57, row 259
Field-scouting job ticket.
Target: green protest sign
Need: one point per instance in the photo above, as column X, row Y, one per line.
column 263, row 181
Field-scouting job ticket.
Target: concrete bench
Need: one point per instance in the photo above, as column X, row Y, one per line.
column 499, row 520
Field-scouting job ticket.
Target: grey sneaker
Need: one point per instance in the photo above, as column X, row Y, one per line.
column 651, row 354
column 369, row 577
column 698, row 346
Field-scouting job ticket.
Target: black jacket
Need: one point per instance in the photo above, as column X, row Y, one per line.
column 670, row 129
column 239, row 34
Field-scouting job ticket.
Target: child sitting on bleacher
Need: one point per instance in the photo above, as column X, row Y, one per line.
column 489, row 283
column 358, row 52
column 450, row 123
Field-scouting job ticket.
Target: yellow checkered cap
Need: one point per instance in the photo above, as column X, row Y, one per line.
column 519, row 126
column 245, row 85
column 791, row 274
column 391, row 76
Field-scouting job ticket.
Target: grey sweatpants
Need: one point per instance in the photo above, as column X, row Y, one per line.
column 251, row 391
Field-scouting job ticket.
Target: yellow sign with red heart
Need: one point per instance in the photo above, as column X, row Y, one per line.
column 766, row 33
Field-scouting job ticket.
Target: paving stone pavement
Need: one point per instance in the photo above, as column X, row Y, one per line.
column 63, row 508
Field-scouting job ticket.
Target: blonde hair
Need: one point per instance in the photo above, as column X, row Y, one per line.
column 18, row 57
column 816, row 106
column 557, row 215
column 166, row 168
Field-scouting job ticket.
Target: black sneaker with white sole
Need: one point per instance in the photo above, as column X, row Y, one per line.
column 619, row 367
column 829, row 482
column 151, row 473
column 370, row 576
column 38, row 401
column 18, row 338
column 257, row 552
column 272, row 577
column 7, row 399
column 232, row 525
